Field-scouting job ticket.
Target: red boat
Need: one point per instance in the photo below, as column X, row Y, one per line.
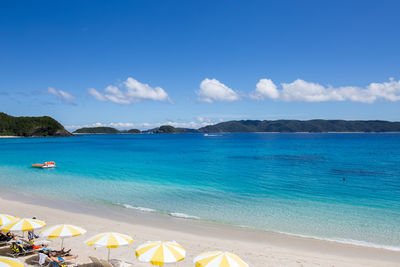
column 48, row 164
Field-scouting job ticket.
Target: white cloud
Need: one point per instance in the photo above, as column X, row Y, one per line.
column 212, row 90
column 265, row 88
column 303, row 91
column 96, row 94
column 139, row 90
column 195, row 124
column 130, row 91
column 60, row 93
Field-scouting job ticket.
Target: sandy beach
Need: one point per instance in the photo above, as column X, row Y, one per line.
column 257, row 248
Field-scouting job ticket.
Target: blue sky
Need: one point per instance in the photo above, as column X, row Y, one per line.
column 144, row 63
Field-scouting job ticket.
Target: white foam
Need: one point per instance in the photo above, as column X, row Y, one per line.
column 348, row 241
column 337, row 240
column 183, row 215
column 138, row 208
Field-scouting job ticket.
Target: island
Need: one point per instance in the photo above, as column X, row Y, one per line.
column 310, row 126
column 31, row 126
column 47, row 126
column 104, row 130
column 271, row 126
column 96, row 130
column 165, row 129
column 132, row 131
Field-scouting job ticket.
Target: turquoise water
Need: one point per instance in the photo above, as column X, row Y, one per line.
column 290, row 183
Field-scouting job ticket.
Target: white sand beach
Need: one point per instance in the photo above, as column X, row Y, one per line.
column 257, row 248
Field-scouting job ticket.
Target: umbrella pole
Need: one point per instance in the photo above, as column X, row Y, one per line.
column 108, row 258
column 62, row 243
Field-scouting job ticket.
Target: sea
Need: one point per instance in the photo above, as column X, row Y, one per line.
column 343, row 187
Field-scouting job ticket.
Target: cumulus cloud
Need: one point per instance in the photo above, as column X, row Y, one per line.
column 265, row 88
column 213, row 90
column 194, row 124
column 303, row 91
column 60, row 93
column 130, row 91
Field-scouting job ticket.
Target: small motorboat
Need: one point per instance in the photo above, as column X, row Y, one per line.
column 48, row 164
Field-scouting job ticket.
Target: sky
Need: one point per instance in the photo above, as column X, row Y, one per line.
column 141, row 64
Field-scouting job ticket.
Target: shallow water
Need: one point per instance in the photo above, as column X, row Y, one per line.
column 291, row 183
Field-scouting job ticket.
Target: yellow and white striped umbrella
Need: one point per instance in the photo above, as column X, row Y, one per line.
column 5, row 219
column 159, row 252
column 109, row 240
column 219, row 259
column 10, row 262
column 22, row 225
column 62, row 231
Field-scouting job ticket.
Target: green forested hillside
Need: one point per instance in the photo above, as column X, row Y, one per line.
column 132, row 131
column 30, row 126
column 302, row 126
column 95, row 130
column 169, row 129
column 104, row 130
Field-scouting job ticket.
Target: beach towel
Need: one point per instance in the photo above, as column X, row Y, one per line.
column 42, row 258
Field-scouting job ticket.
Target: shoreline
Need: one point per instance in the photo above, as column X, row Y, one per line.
column 178, row 215
column 393, row 132
column 97, row 209
column 196, row 235
column 200, row 133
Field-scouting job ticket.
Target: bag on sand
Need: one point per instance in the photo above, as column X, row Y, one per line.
column 16, row 247
column 55, row 264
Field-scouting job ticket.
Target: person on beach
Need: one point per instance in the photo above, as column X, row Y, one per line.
column 19, row 246
column 7, row 237
column 57, row 261
column 56, row 253
column 31, row 234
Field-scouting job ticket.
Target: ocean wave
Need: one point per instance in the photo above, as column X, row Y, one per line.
column 183, row 215
column 173, row 214
column 347, row 241
column 337, row 240
column 138, row 208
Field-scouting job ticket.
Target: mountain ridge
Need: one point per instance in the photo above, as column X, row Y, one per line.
column 31, row 126
column 280, row 126
column 311, row 126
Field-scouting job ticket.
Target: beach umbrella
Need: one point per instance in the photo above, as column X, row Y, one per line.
column 62, row 231
column 22, row 225
column 219, row 259
column 109, row 240
column 160, row 252
column 10, row 262
column 5, row 219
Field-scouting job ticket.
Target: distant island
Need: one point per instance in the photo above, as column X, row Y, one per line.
column 281, row 126
column 310, row 126
column 169, row 129
column 96, row 130
column 165, row 129
column 47, row 126
column 104, row 130
column 30, row 126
